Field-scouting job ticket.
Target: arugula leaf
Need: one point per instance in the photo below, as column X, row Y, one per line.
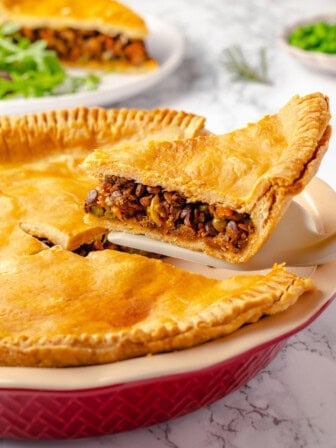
column 32, row 70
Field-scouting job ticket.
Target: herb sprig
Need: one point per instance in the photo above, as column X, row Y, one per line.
column 31, row 70
column 236, row 63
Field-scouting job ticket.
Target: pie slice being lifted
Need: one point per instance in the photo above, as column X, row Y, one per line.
column 220, row 194
column 95, row 34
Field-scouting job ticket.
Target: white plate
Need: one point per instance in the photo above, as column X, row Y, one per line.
column 165, row 43
column 319, row 200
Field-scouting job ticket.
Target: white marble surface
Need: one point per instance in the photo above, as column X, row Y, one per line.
column 292, row 403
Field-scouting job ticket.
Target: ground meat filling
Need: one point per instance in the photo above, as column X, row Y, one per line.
column 73, row 45
column 154, row 207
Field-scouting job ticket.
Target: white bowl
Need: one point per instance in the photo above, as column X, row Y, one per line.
column 314, row 60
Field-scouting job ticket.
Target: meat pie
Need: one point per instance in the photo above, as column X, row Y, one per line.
column 220, row 194
column 61, row 309
column 100, row 34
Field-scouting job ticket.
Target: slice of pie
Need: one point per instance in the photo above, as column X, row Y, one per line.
column 61, row 309
column 220, row 194
column 98, row 34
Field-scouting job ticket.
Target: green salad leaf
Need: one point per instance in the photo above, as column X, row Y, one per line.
column 32, row 70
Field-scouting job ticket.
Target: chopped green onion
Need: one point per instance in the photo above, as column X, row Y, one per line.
column 320, row 36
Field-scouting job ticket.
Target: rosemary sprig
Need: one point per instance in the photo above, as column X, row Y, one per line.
column 237, row 64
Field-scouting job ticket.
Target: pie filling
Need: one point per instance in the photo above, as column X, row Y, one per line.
column 171, row 212
column 72, row 45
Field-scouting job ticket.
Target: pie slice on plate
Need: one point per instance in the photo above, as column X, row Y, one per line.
column 219, row 194
column 102, row 34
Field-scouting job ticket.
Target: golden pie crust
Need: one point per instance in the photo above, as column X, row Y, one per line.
column 62, row 309
column 254, row 171
column 108, row 17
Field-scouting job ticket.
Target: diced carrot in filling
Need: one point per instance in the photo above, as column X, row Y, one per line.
column 73, row 44
column 153, row 207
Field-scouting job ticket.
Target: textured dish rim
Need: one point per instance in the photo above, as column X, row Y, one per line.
column 247, row 339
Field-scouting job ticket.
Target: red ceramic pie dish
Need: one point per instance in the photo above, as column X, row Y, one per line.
column 64, row 414
column 64, row 403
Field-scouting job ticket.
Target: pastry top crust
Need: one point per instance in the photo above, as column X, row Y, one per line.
column 106, row 16
column 110, row 306
column 235, row 169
